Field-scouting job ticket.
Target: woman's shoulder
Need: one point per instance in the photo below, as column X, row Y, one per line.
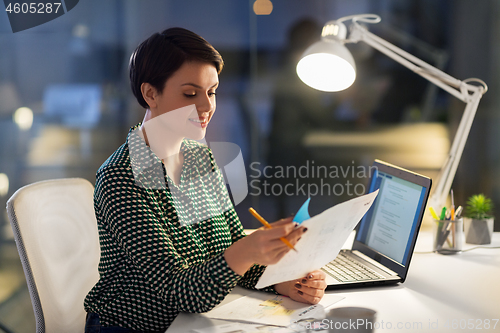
column 118, row 159
column 117, row 166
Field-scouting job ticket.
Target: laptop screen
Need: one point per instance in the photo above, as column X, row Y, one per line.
column 391, row 225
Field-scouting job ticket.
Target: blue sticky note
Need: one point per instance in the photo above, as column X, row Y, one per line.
column 303, row 213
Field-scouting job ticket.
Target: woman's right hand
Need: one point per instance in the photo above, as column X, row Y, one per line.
column 263, row 246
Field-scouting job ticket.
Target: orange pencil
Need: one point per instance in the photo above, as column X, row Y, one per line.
column 453, row 232
column 268, row 226
column 452, row 206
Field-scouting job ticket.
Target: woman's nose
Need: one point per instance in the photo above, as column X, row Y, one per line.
column 207, row 104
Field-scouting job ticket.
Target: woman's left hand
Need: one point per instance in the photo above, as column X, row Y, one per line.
column 309, row 289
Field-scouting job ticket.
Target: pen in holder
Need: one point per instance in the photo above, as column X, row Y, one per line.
column 448, row 236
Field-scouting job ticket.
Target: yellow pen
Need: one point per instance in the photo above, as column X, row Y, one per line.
column 268, row 226
column 433, row 213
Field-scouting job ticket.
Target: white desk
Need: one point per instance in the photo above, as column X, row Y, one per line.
column 439, row 289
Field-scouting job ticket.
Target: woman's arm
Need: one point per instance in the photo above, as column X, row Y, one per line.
column 252, row 275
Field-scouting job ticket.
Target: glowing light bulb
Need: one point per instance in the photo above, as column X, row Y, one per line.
column 327, row 66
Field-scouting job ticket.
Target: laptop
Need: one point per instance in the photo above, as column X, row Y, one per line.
column 386, row 235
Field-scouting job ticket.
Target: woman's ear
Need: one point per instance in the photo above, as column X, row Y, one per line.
column 149, row 94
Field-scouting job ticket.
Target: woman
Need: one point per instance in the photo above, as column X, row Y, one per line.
column 170, row 239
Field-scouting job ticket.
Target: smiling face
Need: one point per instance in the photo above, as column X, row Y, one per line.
column 194, row 83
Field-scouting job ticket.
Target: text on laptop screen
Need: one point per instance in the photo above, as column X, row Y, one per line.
column 390, row 224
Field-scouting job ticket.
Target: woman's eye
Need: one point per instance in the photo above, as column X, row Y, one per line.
column 212, row 94
column 190, row 95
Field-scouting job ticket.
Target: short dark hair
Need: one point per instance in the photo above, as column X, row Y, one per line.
column 156, row 59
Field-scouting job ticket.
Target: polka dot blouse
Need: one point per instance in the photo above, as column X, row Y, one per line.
column 162, row 244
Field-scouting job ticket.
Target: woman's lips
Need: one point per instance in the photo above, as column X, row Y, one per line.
column 199, row 121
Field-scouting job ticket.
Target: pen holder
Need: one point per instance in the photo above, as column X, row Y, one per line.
column 448, row 236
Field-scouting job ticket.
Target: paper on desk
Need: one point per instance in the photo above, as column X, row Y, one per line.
column 264, row 308
column 326, row 234
column 243, row 328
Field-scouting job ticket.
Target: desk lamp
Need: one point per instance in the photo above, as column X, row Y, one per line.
column 327, row 65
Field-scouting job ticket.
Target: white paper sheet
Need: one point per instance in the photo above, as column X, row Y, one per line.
column 326, row 234
column 265, row 308
column 244, row 328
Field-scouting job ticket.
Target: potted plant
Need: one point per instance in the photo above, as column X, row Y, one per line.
column 478, row 221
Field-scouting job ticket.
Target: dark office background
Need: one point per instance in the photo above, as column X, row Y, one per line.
column 85, row 53
column 91, row 44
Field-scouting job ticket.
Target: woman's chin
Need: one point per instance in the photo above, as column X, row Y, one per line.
column 199, row 134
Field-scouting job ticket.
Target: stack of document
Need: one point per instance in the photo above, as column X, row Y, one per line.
column 267, row 309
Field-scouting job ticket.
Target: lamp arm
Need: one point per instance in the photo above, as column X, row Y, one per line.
column 443, row 80
column 449, row 169
column 468, row 93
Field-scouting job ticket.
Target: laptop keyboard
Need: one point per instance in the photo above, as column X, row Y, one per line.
column 344, row 269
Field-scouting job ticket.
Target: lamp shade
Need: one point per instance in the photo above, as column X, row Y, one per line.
column 327, row 65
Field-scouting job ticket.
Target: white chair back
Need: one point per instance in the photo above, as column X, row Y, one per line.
column 56, row 235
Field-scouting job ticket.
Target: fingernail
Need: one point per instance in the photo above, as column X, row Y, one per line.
column 300, row 292
column 310, row 276
column 295, row 224
column 298, row 285
column 304, row 281
column 304, row 230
